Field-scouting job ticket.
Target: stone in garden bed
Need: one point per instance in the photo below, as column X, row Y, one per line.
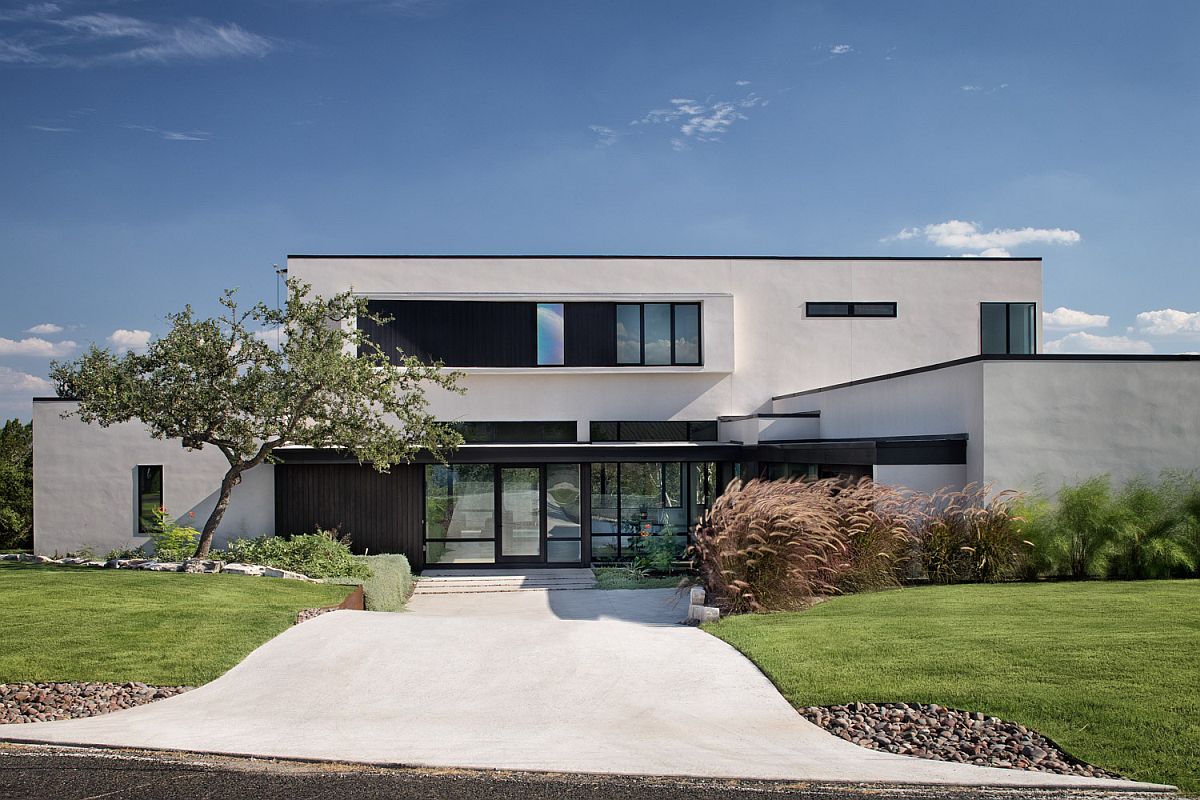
column 45, row 702
column 946, row 734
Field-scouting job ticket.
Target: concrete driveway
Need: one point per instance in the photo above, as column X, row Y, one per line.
column 566, row 681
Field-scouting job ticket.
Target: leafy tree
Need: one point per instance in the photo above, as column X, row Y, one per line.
column 219, row 382
column 16, row 484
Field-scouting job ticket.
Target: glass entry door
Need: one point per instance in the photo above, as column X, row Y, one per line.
column 520, row 504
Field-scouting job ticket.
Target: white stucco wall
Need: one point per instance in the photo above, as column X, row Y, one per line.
column 85, row 485
column 943, row 401
column 757, row 341
column 1053, row 422
column 922, row 477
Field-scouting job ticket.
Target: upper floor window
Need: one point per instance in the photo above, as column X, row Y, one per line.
column 487, row 333
column 849, row 309
column 1007, row 328
column 658, row 334
column 149, row 496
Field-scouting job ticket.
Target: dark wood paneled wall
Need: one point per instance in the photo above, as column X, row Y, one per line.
column 590, row 334
column 380, row 512
column 460, row 333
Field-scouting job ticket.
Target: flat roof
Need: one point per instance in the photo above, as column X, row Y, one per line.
column 560, row 256
column 1042, row 357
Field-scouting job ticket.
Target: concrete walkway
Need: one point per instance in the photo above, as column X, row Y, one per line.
column 564, row 681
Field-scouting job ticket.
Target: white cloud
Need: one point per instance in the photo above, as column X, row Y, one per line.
column 52, row 129
column 605, row 137
column 961, row 235
column 1168, row 322
column 1082, row 342
column 705, row 121
column 1065, row 319
column 840, row 49
column 42, row 34
column 16, row 382
column 741, row 83
column 173, row 136
column 122, row 339
column 970, row 87
column 44, row 328
column 34, row 346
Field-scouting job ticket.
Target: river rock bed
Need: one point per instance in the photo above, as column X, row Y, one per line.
column 45, row 702
column 945, row 734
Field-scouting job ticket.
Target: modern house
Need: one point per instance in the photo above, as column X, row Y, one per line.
column 607, row 396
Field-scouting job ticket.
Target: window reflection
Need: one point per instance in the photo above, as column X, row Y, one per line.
column 550, row 334
column 658, row 333
column 629, row 334
column 687, row 334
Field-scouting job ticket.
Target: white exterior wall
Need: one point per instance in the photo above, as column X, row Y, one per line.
column 942, row 401
column 1054, row 422
column 85, row 485
column 756, row 340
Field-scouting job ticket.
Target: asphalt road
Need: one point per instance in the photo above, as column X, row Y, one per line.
column 89, row 774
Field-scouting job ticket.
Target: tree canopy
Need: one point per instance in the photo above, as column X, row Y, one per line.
column 223, row 382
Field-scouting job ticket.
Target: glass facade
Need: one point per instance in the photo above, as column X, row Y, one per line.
column 1007, row 328
column 564, row 522
column 460, row 514
column 550, row 335
column 631, row 500
column 658, row 334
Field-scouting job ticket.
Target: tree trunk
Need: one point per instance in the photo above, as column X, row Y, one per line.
column 232, row 478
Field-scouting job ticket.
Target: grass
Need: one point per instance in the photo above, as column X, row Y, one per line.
column 87, row 624
column 624, row 578
column 1109, row 670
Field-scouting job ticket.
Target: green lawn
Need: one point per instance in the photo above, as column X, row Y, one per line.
column 1109, row 670
column 87, row 624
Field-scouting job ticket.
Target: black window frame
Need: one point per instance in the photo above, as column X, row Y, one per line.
column 852, row 309
column 143, row 525
column 497, row 436
column 1007, row 306
column 674, row 361
column 694, row 430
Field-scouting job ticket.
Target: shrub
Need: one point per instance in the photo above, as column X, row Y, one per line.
column 1150, row 534
column 970, row 535
column 1088, row 519
column 656, row 552
column 172, row 541
column 317, row 555
column 388, row 584
column 772, row 545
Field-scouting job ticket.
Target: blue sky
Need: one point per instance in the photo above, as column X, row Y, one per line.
column 152, row 154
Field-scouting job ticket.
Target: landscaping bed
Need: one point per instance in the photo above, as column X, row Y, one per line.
column 926, row 730
column 46, row 702
column 1108, row 670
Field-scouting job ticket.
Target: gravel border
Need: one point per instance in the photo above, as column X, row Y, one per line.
column 946, row 734
column 46, row 702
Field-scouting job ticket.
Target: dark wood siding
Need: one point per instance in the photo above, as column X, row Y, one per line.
column 465, row 333
column 591, row 334
column 380, row 512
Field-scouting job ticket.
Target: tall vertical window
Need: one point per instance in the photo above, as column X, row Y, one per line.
column 1007, row 328
column 550, row 339
column 564, row 525
column 656, row 321
column 687, row 333
column 149, row 496
column 629, row 333
column 460, row 514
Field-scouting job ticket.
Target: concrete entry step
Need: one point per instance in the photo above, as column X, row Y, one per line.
column 476, row 581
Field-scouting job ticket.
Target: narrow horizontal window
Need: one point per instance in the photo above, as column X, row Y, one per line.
column 654, row 431
column 850, row 309
column 516, row 432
